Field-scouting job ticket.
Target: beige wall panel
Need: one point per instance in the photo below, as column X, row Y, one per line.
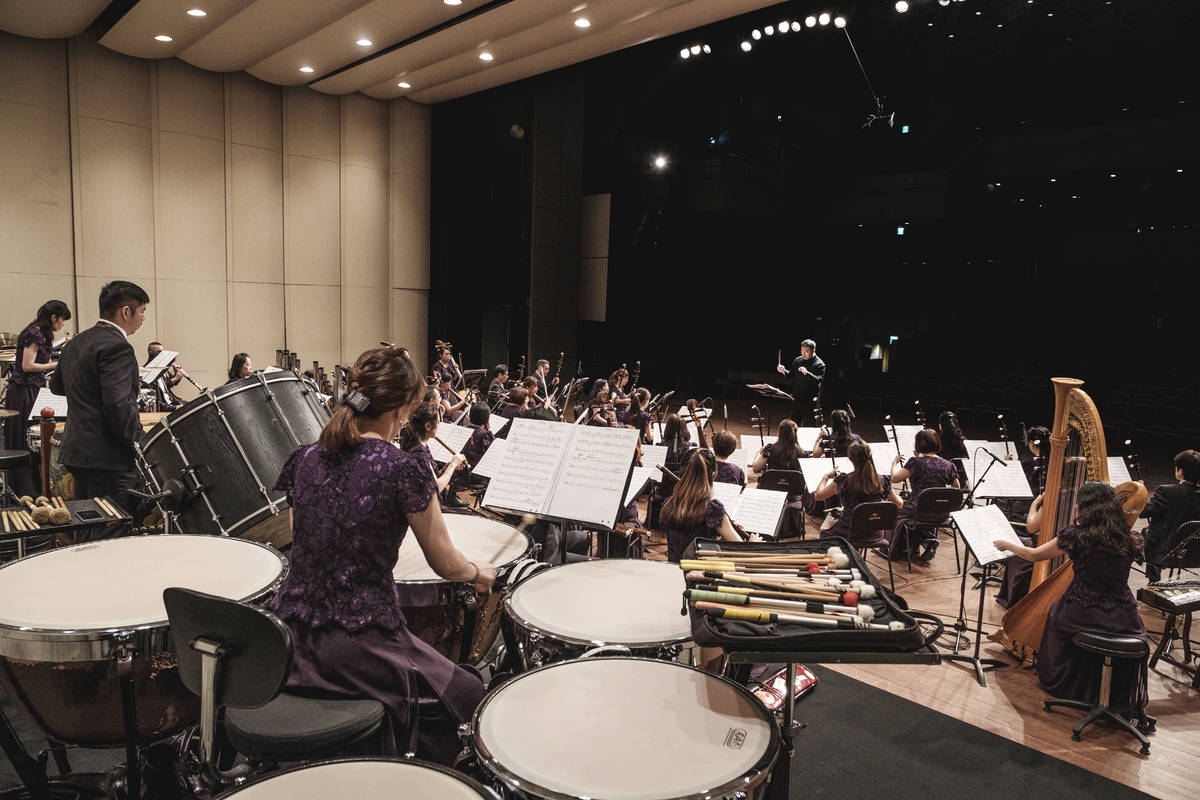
column 410, row 232
column 36, row 228
column 411, row 137
column 410, row 324
column 313, row 225
column 192, row 319
column 256, row 322
column 33, row 71
column 190, row 100
column 366, row 219
column 314, row 124
column 256, row 112
column 117, row 200
column 112, row 86
column 19, row 305
column 367, row 137
column 365, row 319
column 256, row 187
column 88, row 293
column 192, row 184
column 314, row 326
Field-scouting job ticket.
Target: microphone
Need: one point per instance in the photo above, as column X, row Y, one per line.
column 995, row 457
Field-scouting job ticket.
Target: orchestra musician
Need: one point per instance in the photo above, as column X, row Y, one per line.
column 1171, row 505
column 923, row 471
column 498, row 388
column 444, row 368
column 540, row 372
column 531, row 386
column 954, row 444
column 599, row 407
column 691, row 512
column 616, row 385
column 518, row 403
column 723, row 445
column 785, row 454
column 33, row 360
column 339, row 598
column 449, row 400
column 837, row 438
column 807, row 374
column 170, row 378
column 422, row 425
column 637, row 417
column 239, row 368
column 863, row 485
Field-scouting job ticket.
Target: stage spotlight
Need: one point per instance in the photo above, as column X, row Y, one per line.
column 902, row 6
column 695, row 49
column 707, row 49
column 783, row 27
column 810, row 21
column 755, row 33
column 840, row 22
column 943, row 2
column 823, row 19
column 684, row 53
column 746, row 46
column 660, row 162
column 796, row 27
column 769, row 30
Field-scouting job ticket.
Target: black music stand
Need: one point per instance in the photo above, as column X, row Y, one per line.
column 770, row 394
column 961, row 626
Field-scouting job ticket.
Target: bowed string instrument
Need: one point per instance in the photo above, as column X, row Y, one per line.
column 702, row 440
column 904, row 491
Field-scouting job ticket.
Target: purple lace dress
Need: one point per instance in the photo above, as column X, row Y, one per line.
column 349, row 517
column 730, row 473
column 1098, row 600
column 851, row 501
column 678, row 540
column 924, row 472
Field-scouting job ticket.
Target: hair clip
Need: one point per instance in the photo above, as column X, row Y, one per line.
column 358, row 401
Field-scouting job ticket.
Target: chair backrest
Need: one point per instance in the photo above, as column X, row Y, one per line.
column 256, row 656
column 871, row 517
column 782, row 480
column 1186, row 549
column 937, row 503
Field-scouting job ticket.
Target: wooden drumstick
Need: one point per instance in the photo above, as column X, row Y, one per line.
column 815, row 606
column 33, row 526
column 7, row 529
column 798, row 619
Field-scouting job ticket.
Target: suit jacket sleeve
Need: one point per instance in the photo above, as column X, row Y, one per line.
column 118, row 369
column 1157, row 504
column 817, row 371
column 56, row 382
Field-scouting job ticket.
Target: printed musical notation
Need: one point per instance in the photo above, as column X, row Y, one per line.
column 980, row 527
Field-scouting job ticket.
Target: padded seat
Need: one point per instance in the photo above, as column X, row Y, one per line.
column 1115, row 646
column 292, row 728
column 11, row 459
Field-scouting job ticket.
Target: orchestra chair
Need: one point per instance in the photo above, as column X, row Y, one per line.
column 792, row 482
column 869, row 525
column 934, row 507
column 1184, row 552
column 1110, row 647
column 237, row 657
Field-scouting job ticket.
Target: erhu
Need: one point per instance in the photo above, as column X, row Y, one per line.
column 904, row 490
column 637, row 374
column 1004, row 434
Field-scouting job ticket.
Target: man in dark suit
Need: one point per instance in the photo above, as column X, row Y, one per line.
column 807, row 374
column 98, row 374
column 1171, row 506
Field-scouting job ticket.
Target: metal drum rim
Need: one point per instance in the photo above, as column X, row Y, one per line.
column 183, row 413
column 475, row 785
column 81, row 635
column 560, row 637
column 529, row 543
column 757, row 773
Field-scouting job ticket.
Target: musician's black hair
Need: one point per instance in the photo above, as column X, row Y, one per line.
column 786, row 452
column 928, row 441
column 809, row 343
column 480, row 413
column 498, row 370
column 45, row 321
column 542, row 413
column 673, row 427
column 598, row 386
column 1040, row 436
column 441, row 350
column 1101, row 523
column 948, row 426
column 1189, row 462
column 115, row 295
column 235, row 369
column 839, row 430
column 517, row 396
column 541, row 362
column 422, row 422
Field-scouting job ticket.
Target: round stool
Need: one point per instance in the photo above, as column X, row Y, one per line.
column 1110, row 647
column 11, row 459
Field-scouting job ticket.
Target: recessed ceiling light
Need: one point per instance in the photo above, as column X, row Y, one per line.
column 823, row 19
column 486, row 56
column 195, row 12
column 452, row 2
column 364, row 43
column 840, row 22
column 404, row 85
column 306, row 69
column 695, row 49
column 810, row 21
column 582, row 23
column 746, row 46
column 163, row 38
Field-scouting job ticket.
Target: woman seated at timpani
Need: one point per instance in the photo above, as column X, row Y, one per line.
column 353, row 497
column 1102, row 548
column 691, row 512
column 863, row 485
column 837, row 438
column 923, row 471
column 785, row 453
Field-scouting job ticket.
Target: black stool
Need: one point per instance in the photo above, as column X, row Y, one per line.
column 1110, row 647
column 11, row 459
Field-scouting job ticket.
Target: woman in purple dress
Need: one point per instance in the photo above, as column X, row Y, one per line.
column 785, row 453
column 925, row 470
column 1101, row 548
column 691, row 512
column 353, row 497
column 837, row 438
column 637, row 417
column 863, row 485
column 32, row 362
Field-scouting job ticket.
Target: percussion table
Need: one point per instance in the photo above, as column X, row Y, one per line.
column 77, row 523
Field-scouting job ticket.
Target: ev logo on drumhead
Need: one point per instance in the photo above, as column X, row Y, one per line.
column 735, row 739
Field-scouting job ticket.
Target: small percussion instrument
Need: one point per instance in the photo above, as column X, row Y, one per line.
column 68, row 616
column 227, row 447
column 401, row 779
column 450, row 616
column 561, row 613
column 1173, row 597
column 700, row 735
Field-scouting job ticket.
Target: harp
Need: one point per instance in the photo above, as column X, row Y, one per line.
column 1077, row 454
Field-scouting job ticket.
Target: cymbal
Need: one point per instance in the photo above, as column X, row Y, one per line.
column 5, row 413
column 9, row 357
column 8, row 340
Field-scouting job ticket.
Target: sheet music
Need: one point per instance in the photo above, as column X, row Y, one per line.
column 996, row 448
column 737, row 457
column 653, row 457
column 637, row 482
column 808, row 437
column 882, row 455
column 154, row 368
column 982, row 525
column 594, row 474
column 751, row 445
column 816, row 468
column 1002, row 481
column 728, row 494
column 907, row 435
column 47, row 398
column 1118, row 472
column 760, row 511
column 530, row 465
column 498, row 423
column 493, row 459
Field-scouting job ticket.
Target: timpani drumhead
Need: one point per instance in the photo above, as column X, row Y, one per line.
column 478, row 538
column 362, row 778
column 680, row 731
column 611, row 601
column 118, row 583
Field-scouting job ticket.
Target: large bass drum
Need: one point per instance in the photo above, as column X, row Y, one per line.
column 228, row 447
column 67, row 614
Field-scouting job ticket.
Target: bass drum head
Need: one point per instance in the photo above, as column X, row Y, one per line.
column 611, row 601
column 695, row 734
column 364, row 777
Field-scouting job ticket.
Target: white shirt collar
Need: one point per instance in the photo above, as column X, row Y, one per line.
column 115, row 325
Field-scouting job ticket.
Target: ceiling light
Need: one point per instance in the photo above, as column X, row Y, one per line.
column 695, row 49
column 755, row 33
column 943, row 2
column 685, row 53
column 364, row 43
column 746, row 46
column 582, row 23
column 902, row 6
column 840, row 22
column 195, row 12
column 707, row 49
column 486, row 56
column 823, row 19
column 306, row 69
column 660, row 162
column 162, row 38
column 783, row 27
column 404, row 85
column 452, row 2
column 810, row 21
column 769, row 30
column 795, row 26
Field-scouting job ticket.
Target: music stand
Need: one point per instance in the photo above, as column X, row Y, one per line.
column 770, row 394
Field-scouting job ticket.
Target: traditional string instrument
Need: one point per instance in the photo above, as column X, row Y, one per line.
column 702, row 439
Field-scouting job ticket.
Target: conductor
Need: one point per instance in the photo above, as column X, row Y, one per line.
column 807, row 374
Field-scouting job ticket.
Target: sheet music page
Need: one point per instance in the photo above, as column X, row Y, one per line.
column 456, row 436
column 653, row 457
column 493, row 459
column 816, row 468
column 531, row 463
column 637, row 482
column 1118, row 472
column 594, row 474
column 498, row 423
column 808, row 437
column 1002, row 481
column 760, row 511
column 439, row 453
column 982, row 525
column 728, row 494
column 751, row 445
column 47, row 398
column 882, row 455
column 737, row 457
